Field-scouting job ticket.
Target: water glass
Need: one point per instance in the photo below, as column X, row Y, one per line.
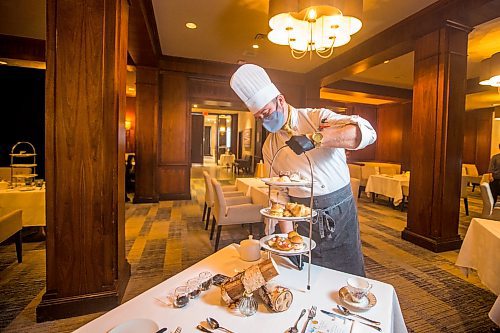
column 205, row 279
column 194, row 287
column 181, row 296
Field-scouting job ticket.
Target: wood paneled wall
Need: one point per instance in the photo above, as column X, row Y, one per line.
column 477, row 138
column 393, row 130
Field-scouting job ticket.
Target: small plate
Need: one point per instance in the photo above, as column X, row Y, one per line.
column 293, row 252
column 366, row 303
column 266, row 213
column 142, row 325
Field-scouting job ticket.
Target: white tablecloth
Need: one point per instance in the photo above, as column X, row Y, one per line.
column 388, row 185
column 325, row 284
column 31, row 202
column 226, row 159
column 481, row 251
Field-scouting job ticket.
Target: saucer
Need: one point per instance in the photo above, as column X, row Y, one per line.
column 366, row 303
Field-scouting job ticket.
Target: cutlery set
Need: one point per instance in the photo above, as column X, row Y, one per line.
column 214, row 324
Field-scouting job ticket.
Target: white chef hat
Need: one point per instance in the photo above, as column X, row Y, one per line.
column 253, row 86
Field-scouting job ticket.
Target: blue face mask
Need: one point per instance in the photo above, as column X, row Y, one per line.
column 274, row 122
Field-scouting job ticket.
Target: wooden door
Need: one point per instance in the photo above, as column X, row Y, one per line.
column 207, row 144
column 197, row 138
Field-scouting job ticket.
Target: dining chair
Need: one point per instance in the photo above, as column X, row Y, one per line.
column 406, row 194
column 231, row 211
column 463, row 194
column 11, row 224
column 489, row 210
column 229, row 191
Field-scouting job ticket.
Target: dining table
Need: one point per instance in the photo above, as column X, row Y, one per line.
column 31, row 200
column 480, row 252
column 390, row 186
column 156, row 303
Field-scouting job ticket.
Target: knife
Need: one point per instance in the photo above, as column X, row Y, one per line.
column 331, row 314
column 162, row 330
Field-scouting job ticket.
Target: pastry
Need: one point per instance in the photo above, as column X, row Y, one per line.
column 276, row 210
column 297, row 242
column 284, row 244
column 284, row 179
column 295, row 177
column 292, row 233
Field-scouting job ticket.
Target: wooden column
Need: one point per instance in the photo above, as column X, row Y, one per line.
column 85, row 145
column 146, row 134
column 437, row 138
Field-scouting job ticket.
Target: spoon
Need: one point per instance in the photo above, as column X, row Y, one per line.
column 294, row 328
column 214, row 324
column 203, row 329
column 345, row 311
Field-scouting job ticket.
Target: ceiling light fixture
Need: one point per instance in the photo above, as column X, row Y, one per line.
column 313, row 25
column 386, row 62
column 490, row 71
column 191, row 25
column 3, row 62
column 255, row 46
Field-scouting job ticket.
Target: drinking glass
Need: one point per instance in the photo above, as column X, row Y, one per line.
column 205, row 279
column 194, row 287
column 181, row 296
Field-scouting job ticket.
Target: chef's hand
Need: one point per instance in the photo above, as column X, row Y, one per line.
column 300, row 144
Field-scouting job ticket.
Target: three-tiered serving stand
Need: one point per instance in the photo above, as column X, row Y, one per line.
column 309, row 218
column 25, row 159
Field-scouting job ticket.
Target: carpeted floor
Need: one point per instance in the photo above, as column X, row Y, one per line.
column 163, row 239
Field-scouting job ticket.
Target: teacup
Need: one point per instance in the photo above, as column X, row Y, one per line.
column 358, row 288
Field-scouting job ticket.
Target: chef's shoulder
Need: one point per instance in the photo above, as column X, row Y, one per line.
column 318, row 114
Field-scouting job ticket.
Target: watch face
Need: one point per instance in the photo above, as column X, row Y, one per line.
column 317, row 137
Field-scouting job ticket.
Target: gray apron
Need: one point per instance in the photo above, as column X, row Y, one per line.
column 335, row 231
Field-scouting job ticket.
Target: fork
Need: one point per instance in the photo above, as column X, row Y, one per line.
column 178, row 329
column 310, row 316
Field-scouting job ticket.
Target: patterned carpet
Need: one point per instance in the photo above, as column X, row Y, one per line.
column 163, row 239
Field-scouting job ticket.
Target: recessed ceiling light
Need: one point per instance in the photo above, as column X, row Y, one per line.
column 191, row 25
column 385, row 62
column 255, row 46
column 131, row 89
column 195, row 105
column 3, row 62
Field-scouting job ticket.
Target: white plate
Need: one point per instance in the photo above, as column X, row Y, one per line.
column 305, row 249
column 265, row 212
column 141, row 325
column 271, row 181
column 366, row 303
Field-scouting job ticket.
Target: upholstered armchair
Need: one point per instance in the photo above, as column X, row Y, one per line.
column 11, row 224
column 489, row 210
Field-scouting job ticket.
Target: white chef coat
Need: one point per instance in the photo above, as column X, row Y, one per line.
column 329, row 165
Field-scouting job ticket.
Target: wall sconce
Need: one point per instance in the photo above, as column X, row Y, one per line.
column 128, row 125
column 222, row 129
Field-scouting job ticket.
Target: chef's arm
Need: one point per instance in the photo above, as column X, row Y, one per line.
column 347, row 136
column 285, row 226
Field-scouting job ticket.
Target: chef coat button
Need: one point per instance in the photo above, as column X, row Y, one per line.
column 322, row 186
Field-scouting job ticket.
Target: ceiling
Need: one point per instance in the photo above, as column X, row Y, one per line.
column 226, row 30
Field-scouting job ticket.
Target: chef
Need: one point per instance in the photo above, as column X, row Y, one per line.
column 322, row 135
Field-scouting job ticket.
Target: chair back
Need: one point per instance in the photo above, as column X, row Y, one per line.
column 354, row 170
column 355, row 188
column 209, row 190
column 388, row 170
column 487, row 199
column 471, row 170
column 10, row 223
column 219, row 200
column 463, row 187
column 464, row 170
column 367, row 171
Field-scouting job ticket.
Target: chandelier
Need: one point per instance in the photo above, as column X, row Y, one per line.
column 313, row 25
column 490, row 71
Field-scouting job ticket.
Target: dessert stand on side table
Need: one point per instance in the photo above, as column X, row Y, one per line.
column 308, row 248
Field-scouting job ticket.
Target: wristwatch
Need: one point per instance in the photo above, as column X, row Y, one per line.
column 317, row 139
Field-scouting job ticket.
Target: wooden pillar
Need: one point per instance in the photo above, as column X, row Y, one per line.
column 146, row 134
column 85, row 146
column 437, row 138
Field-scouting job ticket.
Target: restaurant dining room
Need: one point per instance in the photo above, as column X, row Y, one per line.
column 325, row 166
